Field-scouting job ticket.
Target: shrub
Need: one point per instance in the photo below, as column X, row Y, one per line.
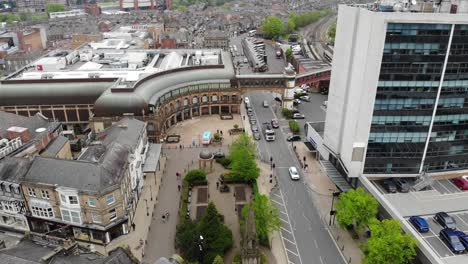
column 195, row 176
column 236, row 126
column 225, row 162
column 217, row 137
column 286, row 113
column 294, row 126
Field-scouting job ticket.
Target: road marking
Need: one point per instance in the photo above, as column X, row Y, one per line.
column 295, row 254
column 315, row 242
column 289, row 241
column 321, row 260
column 276, row 202
column 292, row 233
column 275, row 194
column 286, row 230
column 336, row 244
column 283, row 220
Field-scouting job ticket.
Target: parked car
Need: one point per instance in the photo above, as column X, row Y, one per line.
column 253, row 122
column 451, row 239
column 293, row 138
column 420, row 224
column 294, row 173
column 461, row 182
column 265, row 104
column 245, row 60
column 254, row 128
column 390, row 186
column 305, row 98
column 219, row 154
column 298, row 116
column 402, row 185
column 256, row 135
column 274, row 123
column 246, row 100
column 463, row 238
column 296, row 101
column 251, row 117
column 445, row 220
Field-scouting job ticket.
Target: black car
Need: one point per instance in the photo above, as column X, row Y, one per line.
column 219, row 154
column 390, row 186
column 445, row 220
column 402, row 185
column 294, row 138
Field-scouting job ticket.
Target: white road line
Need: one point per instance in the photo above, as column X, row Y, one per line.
column 336, row 245
column 283, row 220
column 295, row 254
column 321, row 260
column 315, row 242
column 275, row 194
column 277, row 202
column 286, row 230
column 293, row 236
column 289, row 241
column 282, row 212
column 462, row 219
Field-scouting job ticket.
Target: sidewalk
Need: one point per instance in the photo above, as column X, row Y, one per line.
column 136, row 239
column 321, row 190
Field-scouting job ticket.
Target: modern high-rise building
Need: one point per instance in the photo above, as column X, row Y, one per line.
column 398, row 101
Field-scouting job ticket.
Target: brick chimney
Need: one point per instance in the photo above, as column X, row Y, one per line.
column 21, row 132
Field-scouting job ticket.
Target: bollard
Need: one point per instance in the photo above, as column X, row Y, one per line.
column 342, row 248
column 349, row 261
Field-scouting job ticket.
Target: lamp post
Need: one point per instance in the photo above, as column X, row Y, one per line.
column 333, row 212
column 147, row 212
column 151, row 192
column 200, row 247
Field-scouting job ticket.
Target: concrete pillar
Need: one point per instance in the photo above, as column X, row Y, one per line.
column 107, row 238
column 288, row 94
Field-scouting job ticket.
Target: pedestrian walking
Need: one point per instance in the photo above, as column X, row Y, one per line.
column 164, row 218
column 221, row 132
column 178, row 187
column 243, row 117
column 217, row 185
column 217, row 131
column 304, row 159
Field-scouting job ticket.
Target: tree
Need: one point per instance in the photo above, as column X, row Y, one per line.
column 218, row 260
column 356, row 207
column 217, row 238
column 243, row 142
column 243, row 164
column 294, row 126
column 54, row 7
column 388, row 244
column 195, row 176
column 187, row 240
column 267, row 217
column 272, row 27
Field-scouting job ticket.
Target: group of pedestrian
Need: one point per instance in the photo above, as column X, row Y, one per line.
column 219, row 132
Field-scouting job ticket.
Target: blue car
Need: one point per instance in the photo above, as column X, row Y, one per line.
column 463, row 238
column 420, row 224
column 451, row 239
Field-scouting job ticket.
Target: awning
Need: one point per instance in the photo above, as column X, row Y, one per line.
column 335, row 176
column 152, row 158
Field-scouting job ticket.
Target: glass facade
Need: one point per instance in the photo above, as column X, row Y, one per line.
column 410, row 75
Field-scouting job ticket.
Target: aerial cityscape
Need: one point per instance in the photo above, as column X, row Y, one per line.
column 234, row 131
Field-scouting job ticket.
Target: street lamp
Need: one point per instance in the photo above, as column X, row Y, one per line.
column 147, row 212
column 200, row 247
column 333, row 212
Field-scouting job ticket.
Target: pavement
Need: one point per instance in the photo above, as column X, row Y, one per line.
column 305, row 204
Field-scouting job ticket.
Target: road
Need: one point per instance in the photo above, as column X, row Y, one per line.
column 305, row 236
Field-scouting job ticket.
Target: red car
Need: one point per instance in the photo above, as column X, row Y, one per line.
column 462, row 182
column 274, row 123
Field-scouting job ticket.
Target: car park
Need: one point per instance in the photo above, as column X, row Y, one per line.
column 420, row 224
column 265, row 103
column 293, row 138
column 293, row 173
column 274, row 123
column 305, row 98
column 445, row 220
column 390, row 186
column 449, row 237
column 402, row 185
column 254, row 128
column 298, row 116
column 256, row 135
column 461, row 182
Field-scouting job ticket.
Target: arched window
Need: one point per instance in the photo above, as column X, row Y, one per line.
column 214, row 98
column 186, row 100
column 195, row 100
column 204, row 98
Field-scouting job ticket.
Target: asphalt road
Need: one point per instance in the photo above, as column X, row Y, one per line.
column 305, row 236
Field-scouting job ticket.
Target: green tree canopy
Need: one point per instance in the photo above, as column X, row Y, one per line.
column 243, row 142
column 195, row 176
column 288, row 53
column 187, row 240
column 55, row 7
column 242, row 155
column 218, row 260
column 272, row 27
column 332, row 32
column 217, row 238
column 266, row 217
column 388, row 244
column 356, row 207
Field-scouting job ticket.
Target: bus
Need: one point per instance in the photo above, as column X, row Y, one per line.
column 206, row 138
